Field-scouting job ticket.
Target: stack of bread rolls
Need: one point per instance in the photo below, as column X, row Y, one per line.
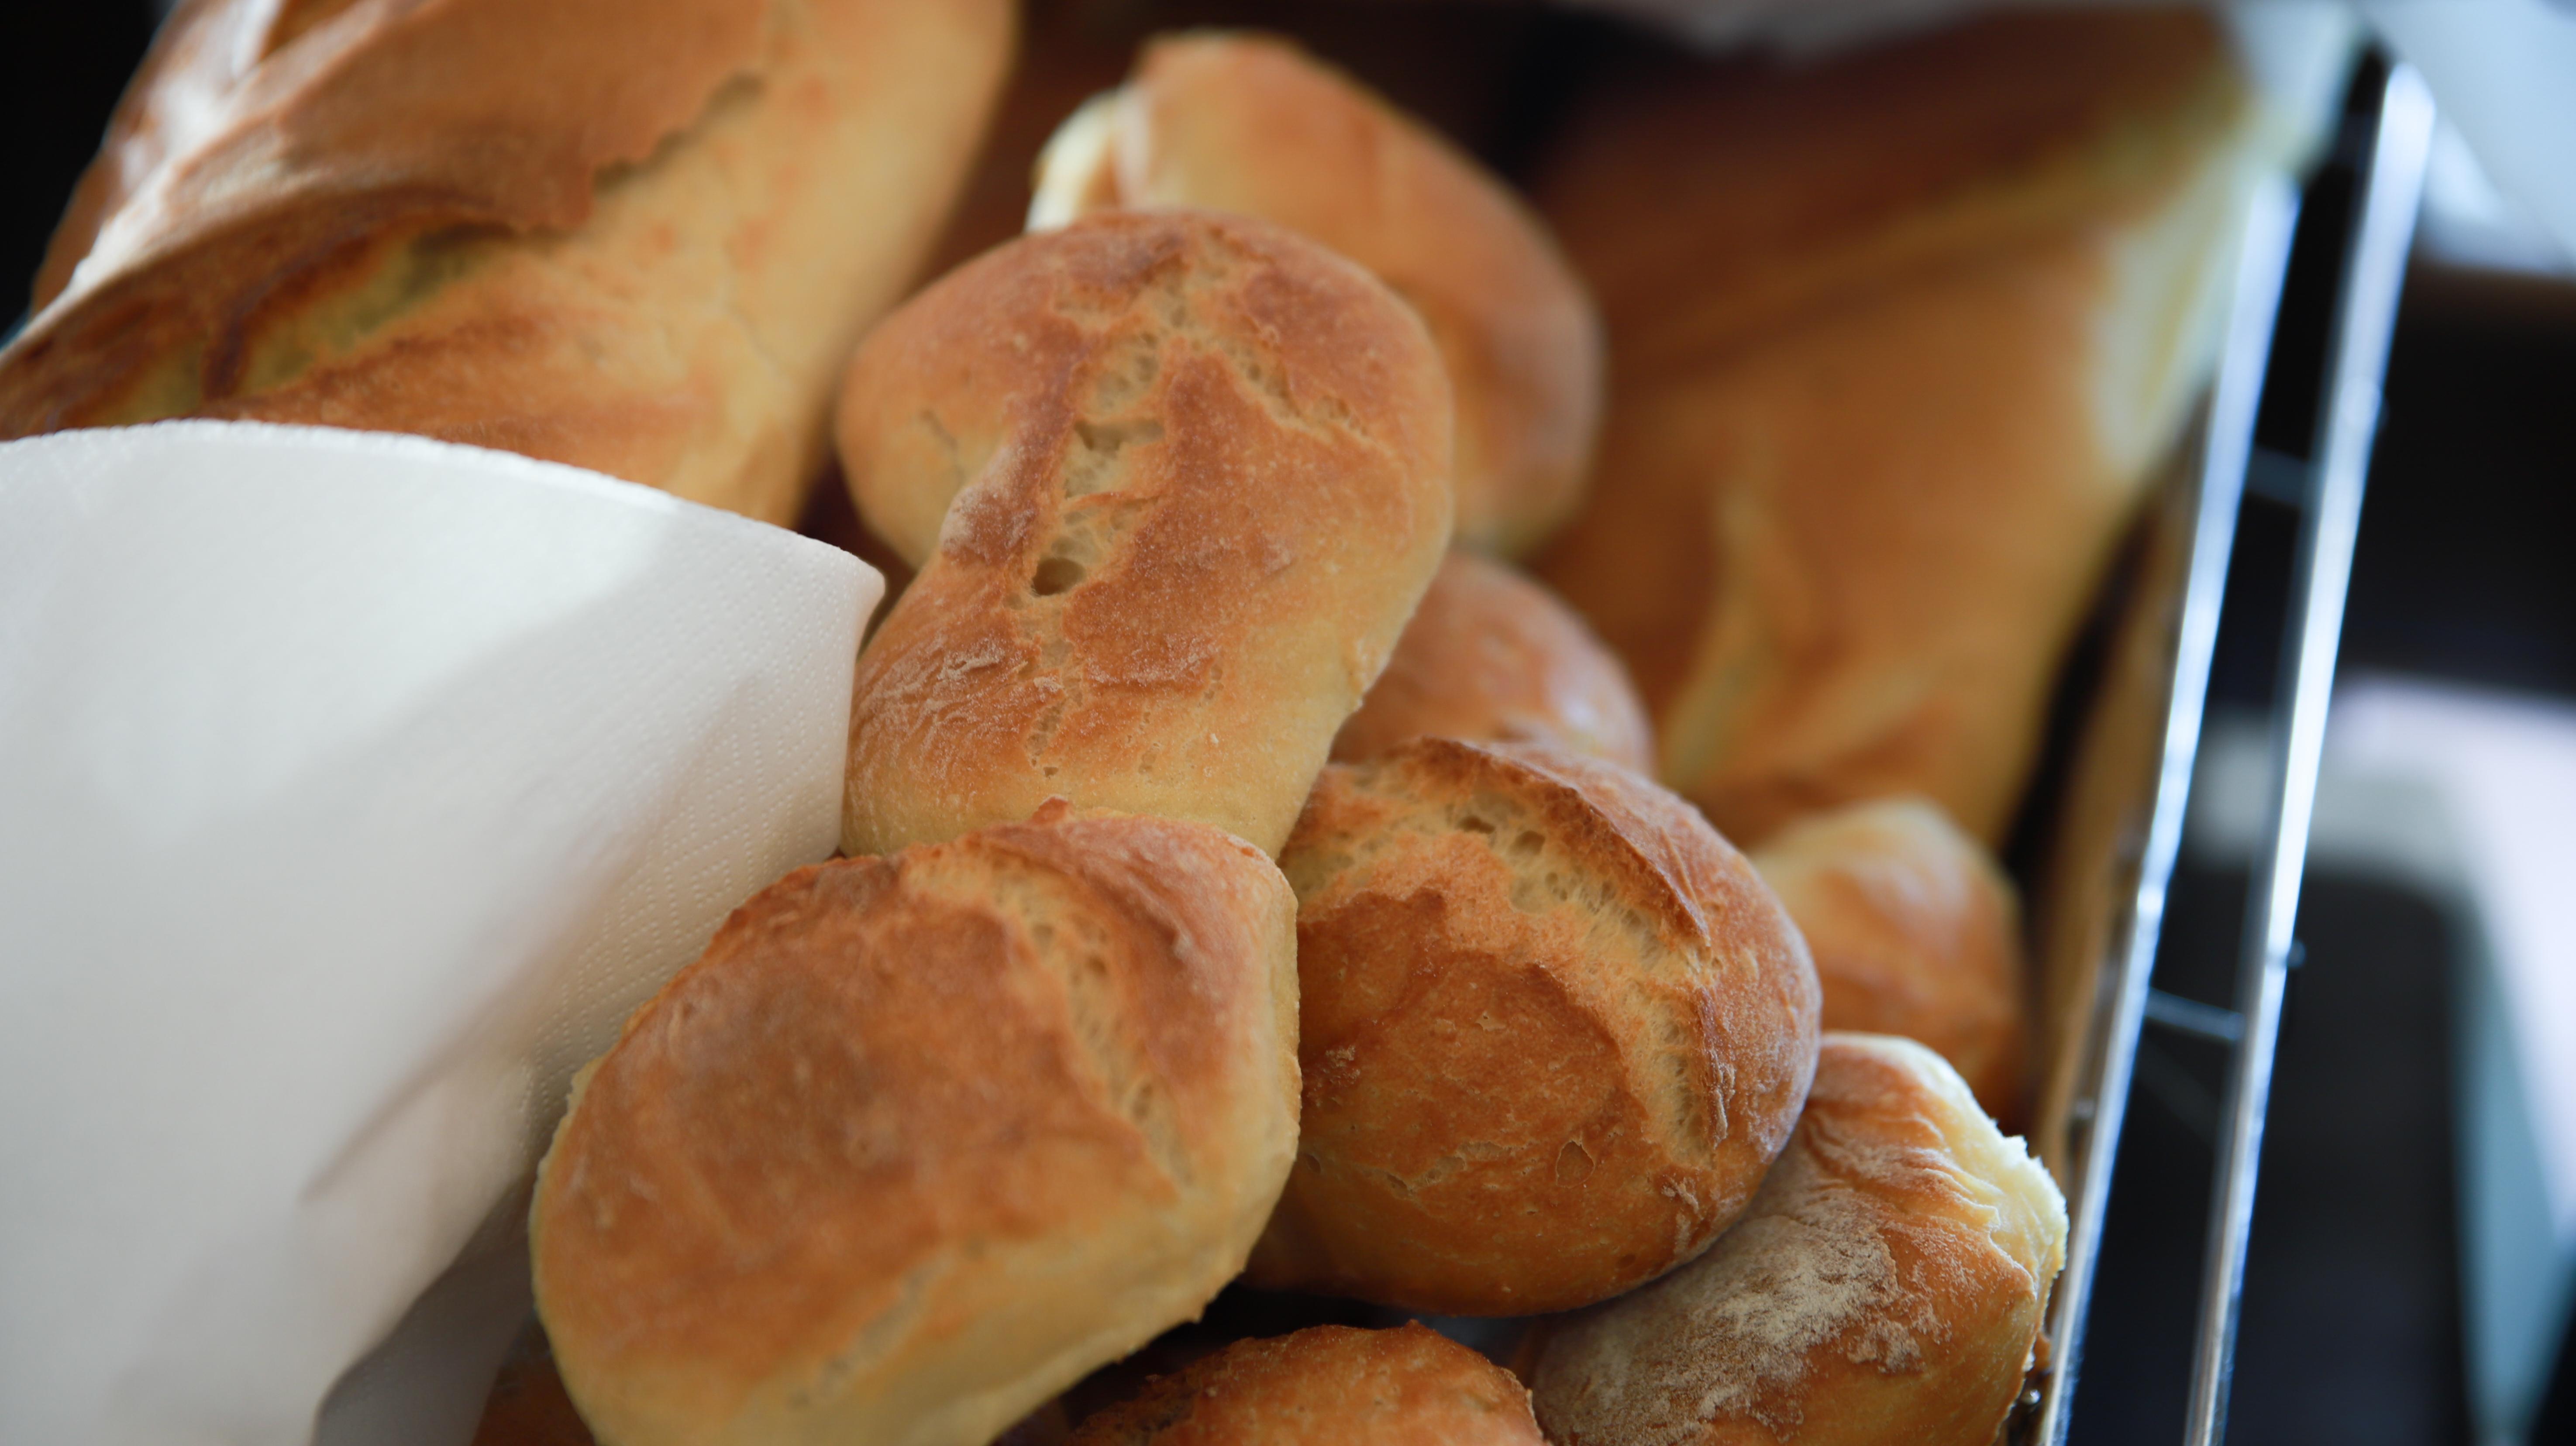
column 1250, row 873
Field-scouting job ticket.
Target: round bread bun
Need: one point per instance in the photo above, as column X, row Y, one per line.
column 1884, row 1290
column 1175, row 482
column 920, row 1140
column 1491, row 655
column 1914, row 931
column 1410, row 1386
column 1553, row 1030
column 1253, row 125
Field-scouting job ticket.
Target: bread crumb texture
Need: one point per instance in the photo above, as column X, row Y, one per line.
column 1884, row 1286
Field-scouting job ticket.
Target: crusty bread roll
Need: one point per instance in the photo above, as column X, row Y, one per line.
column 920, row 1140
column 1252, row 125
column 1177, row 480
column 1409, row 1386
column 1914, row 931
column 1884, row 1290
column 638, row 236
column 1897, row 341
column 1553, row 1031
column 1491, row 655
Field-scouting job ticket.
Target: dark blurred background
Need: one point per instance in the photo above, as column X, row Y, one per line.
column 2357, row 1307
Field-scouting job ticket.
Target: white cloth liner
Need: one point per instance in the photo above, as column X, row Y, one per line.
column 353, row 789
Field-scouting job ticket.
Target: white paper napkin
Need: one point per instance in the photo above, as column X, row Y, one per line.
column 353, row 788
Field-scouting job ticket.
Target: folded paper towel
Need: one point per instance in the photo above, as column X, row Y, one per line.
column 352, row 790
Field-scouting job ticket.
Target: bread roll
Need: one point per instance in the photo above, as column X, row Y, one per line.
column 1491, row 655
column 639, row 236
column 1914, row 931
column 1177, row 480
column 1884, row 1290
column 920, row 1140
column 1409, row 1386
column 1553, row 1031
column 1899, row 338
column 1251, row 124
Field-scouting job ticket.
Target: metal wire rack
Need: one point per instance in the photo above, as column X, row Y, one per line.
column 2399, row 126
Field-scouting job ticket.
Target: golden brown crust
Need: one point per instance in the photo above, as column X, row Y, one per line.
column 1841, row 539
column 1553, row 1031
column 1251, row 124
column 921, row 1139
column 1915, row 932
column 639, row 238
column 1409, row 1386
column 1713, row 200
column 1492, row 656
column 1885, row 1287
column 1199, row 478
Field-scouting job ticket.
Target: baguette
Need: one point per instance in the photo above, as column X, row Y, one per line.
column 639, row 236
column 1898, row 340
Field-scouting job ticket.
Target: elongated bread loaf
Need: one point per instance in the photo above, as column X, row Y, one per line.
column 920, row 1140
column 1252, row 125
column 1915, row 932
column 1553, row 1029
column 1176, row 480
column 1409, row 1386
column 639, row 236
column 1493, row 656
column 1884, row 1289
column 1897, row 339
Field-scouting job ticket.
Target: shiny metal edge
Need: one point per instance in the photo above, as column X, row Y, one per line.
column 2226, row 447
column 2365, row 322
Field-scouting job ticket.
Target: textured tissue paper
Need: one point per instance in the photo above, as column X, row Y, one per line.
column 353, row 788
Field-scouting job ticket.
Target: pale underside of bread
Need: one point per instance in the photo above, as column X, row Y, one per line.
column 922, row 1140
column 1775, row 186
column 651, row 264
column 1555, row 1029
column 1886, row 1285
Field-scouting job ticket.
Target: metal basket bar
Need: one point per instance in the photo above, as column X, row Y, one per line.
column 2365, row 320
column 2227, row 439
